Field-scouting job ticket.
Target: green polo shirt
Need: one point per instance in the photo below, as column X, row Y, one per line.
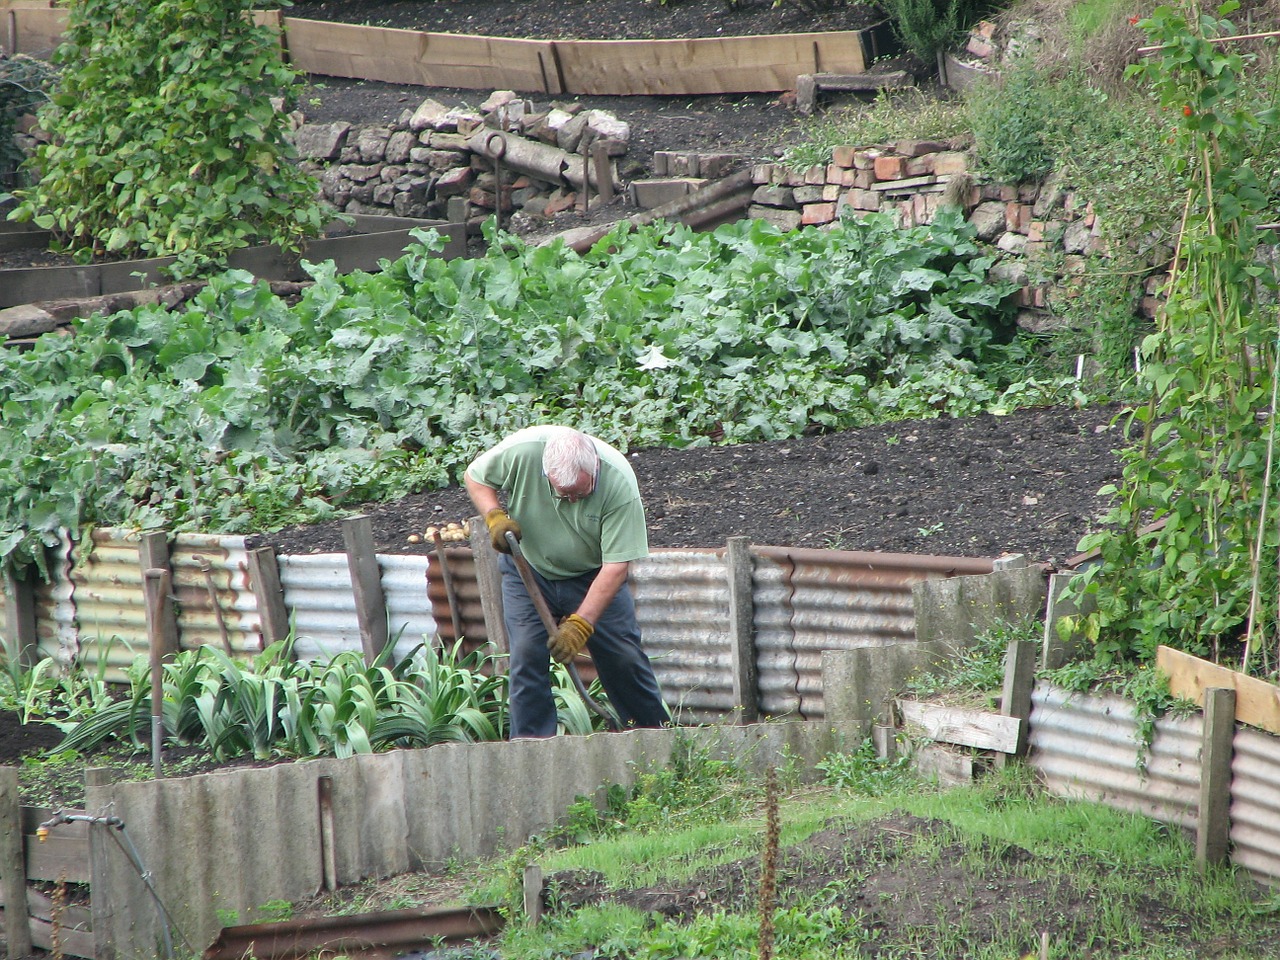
column 562, row 539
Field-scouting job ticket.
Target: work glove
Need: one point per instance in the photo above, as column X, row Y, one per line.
column 499, row 523
column 569, row 639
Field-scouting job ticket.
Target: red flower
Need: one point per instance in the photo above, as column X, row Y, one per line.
column 1133, row 21
column 1186, row 111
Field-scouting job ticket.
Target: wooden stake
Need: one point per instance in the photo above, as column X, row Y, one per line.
column 1019, row 678
column 153, row 554
column 264, row 578
column 1213, row 825
column 155, row 585
column 366, row 582
column 13, row 868
column 489, row 581
column 532, row 893
column 742, row 640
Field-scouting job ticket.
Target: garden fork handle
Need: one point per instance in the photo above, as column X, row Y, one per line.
column 540, row 604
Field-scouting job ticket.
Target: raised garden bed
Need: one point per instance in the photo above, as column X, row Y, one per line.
column 371, row 239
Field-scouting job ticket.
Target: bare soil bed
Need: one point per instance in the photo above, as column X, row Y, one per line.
column 975, row 486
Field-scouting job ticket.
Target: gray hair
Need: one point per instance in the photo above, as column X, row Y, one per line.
column 568, row 455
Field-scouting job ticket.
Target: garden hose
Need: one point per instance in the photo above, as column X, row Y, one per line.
column 167, row 925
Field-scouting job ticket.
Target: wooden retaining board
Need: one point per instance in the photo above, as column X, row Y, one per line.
column 708, row 65
column 65, row 852
column 75, row 925
column 383, row 238
column 422, row 59
column 698, row 66
column 35, row 27
column 32, row 27
column 1257, row 702
column 966, row 728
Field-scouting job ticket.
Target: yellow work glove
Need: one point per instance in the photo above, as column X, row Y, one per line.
column 570, row 637
column 499, row 522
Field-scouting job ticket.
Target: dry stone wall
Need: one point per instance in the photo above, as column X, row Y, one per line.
column 422, row 165
column 1043, row 233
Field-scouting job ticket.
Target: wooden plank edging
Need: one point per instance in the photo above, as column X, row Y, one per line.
column 683, row 67
column 1257, row 702
column 966, row 728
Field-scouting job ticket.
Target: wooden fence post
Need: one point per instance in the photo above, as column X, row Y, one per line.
column 155, row 587
column 13, row 866
column 489, row 580
column 366, row 581
column 1213, row 825
column 19, row 616
column 1015, row 701
column 101, row 846
column 532, row 884
column 264, row 578
column 742, row 639
column 153, row 554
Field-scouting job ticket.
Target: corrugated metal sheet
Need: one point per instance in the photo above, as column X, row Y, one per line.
column 682, row 603
column 322, row 606
column 55, row 611
column 237, row 839
column 1255, row 804
column 807, row 601
column 94, row 607
column 1086, row 746
column 466, row 594
column 216, row 603
column 110, row 613
column 322, row 609
column 409, row 615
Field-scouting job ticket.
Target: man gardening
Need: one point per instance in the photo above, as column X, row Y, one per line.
column 574, row 505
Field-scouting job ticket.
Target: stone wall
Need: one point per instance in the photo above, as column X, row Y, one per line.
column 423, row 166
column 1043, row 233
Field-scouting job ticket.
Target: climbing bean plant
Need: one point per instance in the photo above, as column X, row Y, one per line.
column 164, row 138
column 1189, row 555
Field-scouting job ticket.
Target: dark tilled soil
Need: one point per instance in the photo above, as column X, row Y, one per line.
column 758, row 126
column 18, row 740
column 978, row 486
column 593, row 19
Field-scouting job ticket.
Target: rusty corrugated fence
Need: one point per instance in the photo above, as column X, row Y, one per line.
column 803, row 602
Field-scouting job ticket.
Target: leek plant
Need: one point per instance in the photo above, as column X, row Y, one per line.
column 276, row 706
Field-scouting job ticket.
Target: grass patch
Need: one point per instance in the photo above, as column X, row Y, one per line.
column 892, row 115
column 979, row 872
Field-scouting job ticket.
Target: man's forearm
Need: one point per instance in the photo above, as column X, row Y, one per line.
column 484, row 497
column 603, row 589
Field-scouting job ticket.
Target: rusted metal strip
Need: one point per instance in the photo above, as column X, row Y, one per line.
column 447, row 576
column 368, row 935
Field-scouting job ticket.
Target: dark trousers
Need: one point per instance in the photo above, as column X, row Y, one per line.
column 624, row 668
